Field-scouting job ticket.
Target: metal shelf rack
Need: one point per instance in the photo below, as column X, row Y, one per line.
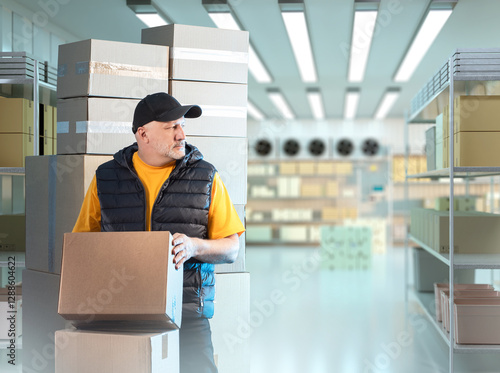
column 464, row 72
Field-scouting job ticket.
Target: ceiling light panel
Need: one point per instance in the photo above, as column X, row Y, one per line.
column 351, row 104
column 280, row 103
column 225, row 20
column 151, row 19
column 316, row 104
column 432, row 25
column 386, row 104
column 362, row 35
column 296, row 27
column 254, row 112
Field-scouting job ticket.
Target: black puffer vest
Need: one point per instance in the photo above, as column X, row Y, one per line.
column 181, row 206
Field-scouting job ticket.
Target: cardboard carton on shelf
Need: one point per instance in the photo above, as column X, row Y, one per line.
column 224, row 107
column 97, row 351
column 477, row 149
column 14, row 147
column 477, row 114
column 13, row 233
column 111, row 69
column 94, row 125
column 203, row 53
column 477, row 321
column 430, row 148
column 133, row 278
column 55, row 188
column 16, row 115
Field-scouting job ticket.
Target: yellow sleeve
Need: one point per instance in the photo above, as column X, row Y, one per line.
column 89, row 219
column 223, row 220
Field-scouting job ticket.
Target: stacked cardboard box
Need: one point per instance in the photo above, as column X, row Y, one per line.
column 209, row 67
column 128, row 312
column 99, row 84
column 476, row 131
column 475, row 232
column 345, row 247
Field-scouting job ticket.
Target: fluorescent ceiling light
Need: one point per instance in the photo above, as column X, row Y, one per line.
column 428, row 32
column 316, row 104
column 362, row 35
column 280, row 103
column 351, row 104
column 225, row 20
column 254, row 112
column 151, row 19
column 295, row 23
column 389, row 98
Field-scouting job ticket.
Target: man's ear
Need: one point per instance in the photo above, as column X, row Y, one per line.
column 142, row 135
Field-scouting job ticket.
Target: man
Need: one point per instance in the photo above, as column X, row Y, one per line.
column 162, row 183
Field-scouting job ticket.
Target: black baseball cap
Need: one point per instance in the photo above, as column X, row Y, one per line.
column 161, row 107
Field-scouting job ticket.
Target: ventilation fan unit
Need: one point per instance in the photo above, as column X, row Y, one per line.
column 345, row 147
column 291, row 148
column 317, row 147
column 370, row 147
column 263, row 147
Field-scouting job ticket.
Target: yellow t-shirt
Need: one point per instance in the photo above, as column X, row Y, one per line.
column 223, row 219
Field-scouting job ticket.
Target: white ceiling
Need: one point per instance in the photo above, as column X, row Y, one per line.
column 473, row 24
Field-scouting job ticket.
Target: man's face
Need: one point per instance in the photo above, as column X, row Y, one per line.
column 168, row 138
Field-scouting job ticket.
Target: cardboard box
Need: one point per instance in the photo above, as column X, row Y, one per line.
column 111, row 69
column 224, row 107
column 93, row 351
column 94, row 125
column 439, row 155
column 46, row 146
column 446, row 152
column 55, row 188
column 479, row 149
column 239, row 263
column 203, row 53
column 16, row 115
column 13, row 233
column 40, row 320
column 439, row 128
column 259, row 233
column 133, row 279
column 325, row 168
column 229, row 156
column 47, row 118
column 231, row 316
column 477, row 321
column 430, row 148
column 293, row 233
column 477, row 114
column 14, row 147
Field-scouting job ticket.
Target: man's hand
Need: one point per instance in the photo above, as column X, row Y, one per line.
column 184, row 248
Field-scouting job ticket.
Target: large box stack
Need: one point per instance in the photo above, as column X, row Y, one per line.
column 209, row 67
column 476, row 135
column 128, row 312
column 99, row 84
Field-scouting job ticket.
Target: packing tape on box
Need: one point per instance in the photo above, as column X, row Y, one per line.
column 63, row 127
column 98, row 126
column 224, row 111
column 197, row 54
column 121, row 69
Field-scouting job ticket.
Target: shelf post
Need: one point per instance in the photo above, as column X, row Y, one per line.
column 452, row 213
column 36, row 132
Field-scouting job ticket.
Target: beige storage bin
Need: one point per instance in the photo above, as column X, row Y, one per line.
column 461, row 294
column 440, row 286
column 477, row 321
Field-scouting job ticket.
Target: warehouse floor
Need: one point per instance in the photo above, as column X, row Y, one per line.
column 341, row 321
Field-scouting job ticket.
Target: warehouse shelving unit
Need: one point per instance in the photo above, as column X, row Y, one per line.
column 464, row 73
column 351, row 179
